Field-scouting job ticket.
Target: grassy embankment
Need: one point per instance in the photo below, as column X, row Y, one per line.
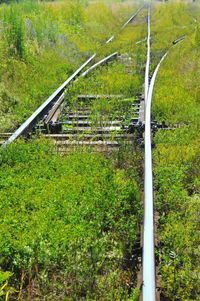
column 176, row 156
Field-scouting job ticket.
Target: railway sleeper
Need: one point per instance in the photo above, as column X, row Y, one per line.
column 93, row 97
column 85, row 116
column 87, row 143
column 110, row 129
column 92, row 137
column 85, row 123
column 97, row 148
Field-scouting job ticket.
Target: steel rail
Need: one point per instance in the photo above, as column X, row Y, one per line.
column 133, row 16
column 125, row 24
column 99, row 63
column 56, row 109
column 148, row 291
column 146, row 84
column 32, row 120
column 148, row 266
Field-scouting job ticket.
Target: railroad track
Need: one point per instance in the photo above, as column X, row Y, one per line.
column 106, row 134
column 70, row 127
column 58, row 96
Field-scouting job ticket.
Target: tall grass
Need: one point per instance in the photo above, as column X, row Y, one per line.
column 14, row 32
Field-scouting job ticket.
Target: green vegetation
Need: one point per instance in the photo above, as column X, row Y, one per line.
column 181, row 105
column 68, row 224
column 176, row 160
column 176, row 156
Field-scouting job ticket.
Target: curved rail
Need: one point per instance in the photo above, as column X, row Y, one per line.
column 148, row 242
column 148, row 267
